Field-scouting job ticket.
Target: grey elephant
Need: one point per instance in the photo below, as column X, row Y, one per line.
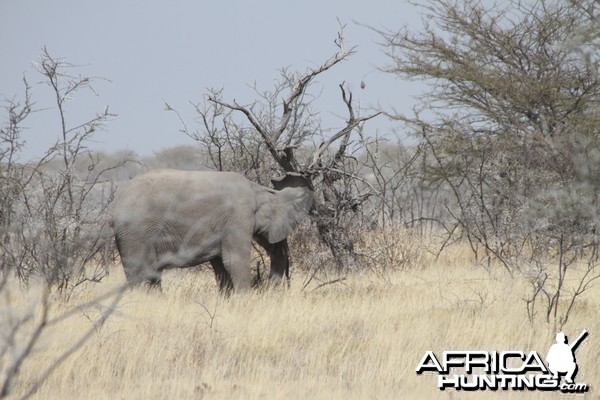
column 173, row 219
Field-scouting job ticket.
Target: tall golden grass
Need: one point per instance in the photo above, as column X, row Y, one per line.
column 357, row 338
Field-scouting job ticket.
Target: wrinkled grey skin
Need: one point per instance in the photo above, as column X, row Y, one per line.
column 173, row 219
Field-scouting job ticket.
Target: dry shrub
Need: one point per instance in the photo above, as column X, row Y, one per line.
column 308, row 252
column 388, row 249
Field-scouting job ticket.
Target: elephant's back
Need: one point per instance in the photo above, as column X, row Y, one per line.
column 166, row 176
column 163, row 190
column 159, row 181
column 171, row 177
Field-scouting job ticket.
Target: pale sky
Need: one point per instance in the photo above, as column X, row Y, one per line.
column 174, row 50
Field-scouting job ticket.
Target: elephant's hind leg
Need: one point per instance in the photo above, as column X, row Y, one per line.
column 222, row 276
column 139, row 263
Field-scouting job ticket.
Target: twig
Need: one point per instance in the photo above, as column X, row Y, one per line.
column 338, row 280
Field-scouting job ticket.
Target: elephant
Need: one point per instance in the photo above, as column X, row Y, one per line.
column 168, row 218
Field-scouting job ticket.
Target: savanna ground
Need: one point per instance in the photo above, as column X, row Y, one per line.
column 358, row 338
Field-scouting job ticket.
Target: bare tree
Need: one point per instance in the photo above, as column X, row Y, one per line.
column 271, row 133
column 53, row 209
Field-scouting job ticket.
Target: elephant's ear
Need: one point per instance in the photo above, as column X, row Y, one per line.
column 282, row 211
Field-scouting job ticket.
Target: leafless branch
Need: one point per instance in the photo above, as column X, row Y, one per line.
column 345, row 132
column 283, row 156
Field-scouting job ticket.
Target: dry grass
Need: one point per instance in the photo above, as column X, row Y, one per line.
column 357, row 339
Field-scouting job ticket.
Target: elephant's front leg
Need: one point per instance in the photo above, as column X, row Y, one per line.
column 280, row 262
column 280, row 259
column 236, row 259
